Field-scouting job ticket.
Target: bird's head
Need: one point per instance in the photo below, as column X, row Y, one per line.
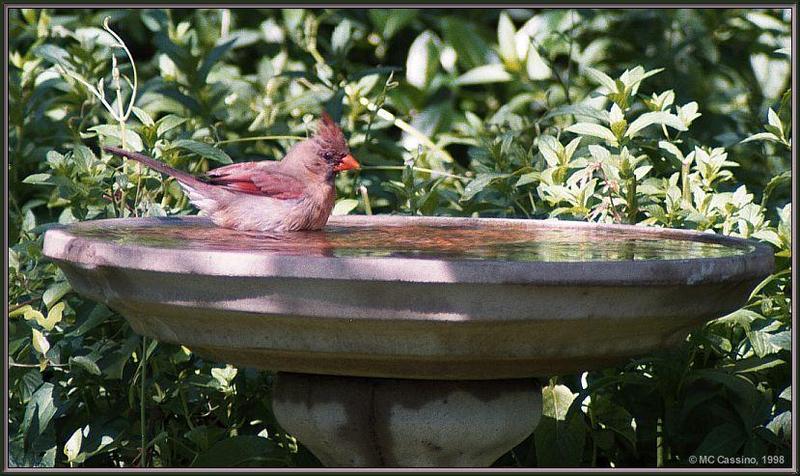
column 331, row 152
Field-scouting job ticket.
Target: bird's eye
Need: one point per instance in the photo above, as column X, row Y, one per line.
column 328, row 156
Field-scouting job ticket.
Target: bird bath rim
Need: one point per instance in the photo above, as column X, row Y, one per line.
column 755, row 260
column 407, row 317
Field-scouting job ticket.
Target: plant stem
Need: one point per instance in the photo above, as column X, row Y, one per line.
column 185, row 410
column 22, row 304
column 36, row 366
column 686, row 192
column 121, row 121
column 380, row 101
column 246, row 139
column 143, row 424
column 614, row 211
column 569, row 54
column 365, row 196
column 406, row 127
column 633, row 207
column 660, row 443
column 419, row 169
column 225, row 23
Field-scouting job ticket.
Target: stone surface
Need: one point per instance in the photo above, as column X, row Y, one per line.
column 486, row 299
column 352, row 421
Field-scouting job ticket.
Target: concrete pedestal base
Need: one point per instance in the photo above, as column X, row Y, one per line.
column 378, row 422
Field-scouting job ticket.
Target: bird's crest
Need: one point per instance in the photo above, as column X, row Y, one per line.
column 330, row 137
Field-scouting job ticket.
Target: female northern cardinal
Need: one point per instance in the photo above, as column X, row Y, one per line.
column 296, row 193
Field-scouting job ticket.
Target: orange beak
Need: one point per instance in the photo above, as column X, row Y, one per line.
column 348, row 163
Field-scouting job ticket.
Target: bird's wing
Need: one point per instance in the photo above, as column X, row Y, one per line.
column 257, row 178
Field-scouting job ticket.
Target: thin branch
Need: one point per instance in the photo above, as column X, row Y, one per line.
column 121, row 44
column 256, row 138
column 406, row 127
column 415, row 168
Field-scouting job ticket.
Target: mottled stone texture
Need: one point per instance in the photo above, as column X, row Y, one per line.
column 352, row 421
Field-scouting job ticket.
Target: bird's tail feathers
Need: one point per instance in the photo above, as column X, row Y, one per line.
column 180, row 176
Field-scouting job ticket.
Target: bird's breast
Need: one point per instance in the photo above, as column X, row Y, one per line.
column 312, row 212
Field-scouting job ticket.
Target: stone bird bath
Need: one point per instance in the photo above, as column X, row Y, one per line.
column 404, row 341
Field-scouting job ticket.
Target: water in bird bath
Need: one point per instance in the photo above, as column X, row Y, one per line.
column 502, row 240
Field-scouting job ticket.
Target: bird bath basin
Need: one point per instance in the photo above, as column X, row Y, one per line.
column 406, row 341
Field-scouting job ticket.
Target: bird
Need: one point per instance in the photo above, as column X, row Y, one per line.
column 296, row 193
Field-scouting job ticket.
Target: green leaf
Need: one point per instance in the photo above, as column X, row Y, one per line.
column 203, row 436
column 132, row 139
column 38, row 179
column 180, row 55
column 240, row 451
column 615, row 418
column 725, row 439
column 601, row 78
column 559, row 443
column 32, row 380
column 530, row 177
column 742, row 318
column 224, row 375
column 489, row 73
column 52, row 53
column 168, row 123
column 556, row 400
column 55, row 159
column 40, row 343
column 560, row 436
column 505, row 40
column 479, row 183
column 340, row 38
column 762, row 136
column 203, row 150
column 188, row 102
column 473, row 50
column 422, row 61
column 143, row 116
column 85, row 363
column 29, row 313
column 535, row 66
column 578, row 110
column 53, row 317
column 774, row 121
column 656, row 117
column 781, row 340
column 672, row 149
column 786, row 394
column 55, row 292
column 595, row 130
column 781, row 425
column 98, row 315
column 73, row 445
column 747, row 396
column 46, row 404
column 211, row 60
column 113, row 365
column 344, row 206
column 784, row 178
column 21, row 311
column 760, row 342
column 754, row 364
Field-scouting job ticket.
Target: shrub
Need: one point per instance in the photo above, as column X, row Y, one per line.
column 675, row 118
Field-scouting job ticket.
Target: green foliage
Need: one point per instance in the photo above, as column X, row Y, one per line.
column 676, row 118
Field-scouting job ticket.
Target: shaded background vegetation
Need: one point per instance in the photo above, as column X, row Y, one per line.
column 575, row 114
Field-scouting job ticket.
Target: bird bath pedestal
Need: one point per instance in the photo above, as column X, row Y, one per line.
column 404, row 341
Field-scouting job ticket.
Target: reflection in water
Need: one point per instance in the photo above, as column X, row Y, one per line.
column 486, row 241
